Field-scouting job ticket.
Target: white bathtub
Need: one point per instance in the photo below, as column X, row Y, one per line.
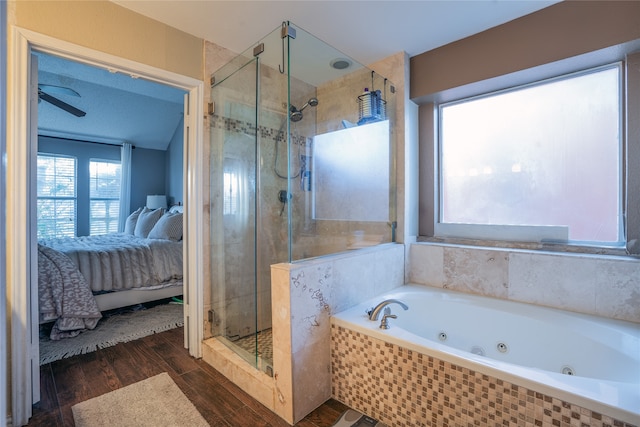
column 527, row 345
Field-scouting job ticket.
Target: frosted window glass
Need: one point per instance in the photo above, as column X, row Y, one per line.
column 351, row 173
column 543, row 155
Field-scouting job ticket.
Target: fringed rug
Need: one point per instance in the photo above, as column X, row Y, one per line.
column 112, row 330
column 156, row 401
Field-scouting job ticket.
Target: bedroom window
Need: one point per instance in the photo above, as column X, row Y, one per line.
column 232, row 186
column 56, row 196
column 104, row 194
column 540, row 162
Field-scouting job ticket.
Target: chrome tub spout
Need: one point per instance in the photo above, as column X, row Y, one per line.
column 375, row 312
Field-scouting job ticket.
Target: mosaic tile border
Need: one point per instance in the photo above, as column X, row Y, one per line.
column 242, row 127
column 404, row 388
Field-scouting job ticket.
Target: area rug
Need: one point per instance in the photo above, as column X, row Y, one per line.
column 112, row 330
column 156, row 401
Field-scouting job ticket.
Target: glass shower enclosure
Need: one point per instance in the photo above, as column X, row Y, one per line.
column 301, row 166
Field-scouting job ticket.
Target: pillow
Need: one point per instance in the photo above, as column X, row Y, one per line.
column 146, row 220
column 130, row 223
column 168, row 227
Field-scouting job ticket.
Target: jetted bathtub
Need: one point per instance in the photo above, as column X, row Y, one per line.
column 587, row 360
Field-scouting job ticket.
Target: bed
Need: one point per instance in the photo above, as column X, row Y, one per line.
column 80, row 277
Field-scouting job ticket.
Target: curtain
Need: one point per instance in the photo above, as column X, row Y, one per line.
column 125, row 185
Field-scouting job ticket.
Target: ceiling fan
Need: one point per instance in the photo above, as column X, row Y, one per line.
column 44, row 94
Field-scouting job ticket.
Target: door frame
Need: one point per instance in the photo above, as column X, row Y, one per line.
column 20, row 148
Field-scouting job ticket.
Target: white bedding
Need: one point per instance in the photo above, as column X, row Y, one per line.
column 120, row 261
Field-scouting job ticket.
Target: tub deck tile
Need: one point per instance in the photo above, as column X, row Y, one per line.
column 405, row 388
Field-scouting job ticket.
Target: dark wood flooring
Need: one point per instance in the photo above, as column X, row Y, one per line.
column 69, row 381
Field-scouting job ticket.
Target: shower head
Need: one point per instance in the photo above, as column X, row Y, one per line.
column 311, row 102
column 296, row 115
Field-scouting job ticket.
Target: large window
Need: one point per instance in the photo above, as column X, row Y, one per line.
column 56, row 195
column 104, row 193
column 539, row 162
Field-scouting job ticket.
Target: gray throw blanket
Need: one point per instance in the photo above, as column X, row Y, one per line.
column 64, row 295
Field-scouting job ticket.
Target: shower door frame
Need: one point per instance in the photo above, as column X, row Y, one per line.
column 217, row 297
column 270, row 118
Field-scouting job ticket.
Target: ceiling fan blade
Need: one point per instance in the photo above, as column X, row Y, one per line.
column 59, row 90
column 61, row 104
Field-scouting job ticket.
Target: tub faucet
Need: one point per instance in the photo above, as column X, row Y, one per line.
column 384, row 323
column 375, row 312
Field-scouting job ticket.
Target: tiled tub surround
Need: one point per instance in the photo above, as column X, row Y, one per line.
column 601, row 285
column 524, row 345
column 405, row 388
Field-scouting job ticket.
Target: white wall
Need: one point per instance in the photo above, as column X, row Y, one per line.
column 3, row 202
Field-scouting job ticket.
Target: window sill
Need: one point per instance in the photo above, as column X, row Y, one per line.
column 529, row 246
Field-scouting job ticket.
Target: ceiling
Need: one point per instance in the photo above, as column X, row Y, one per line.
column 118, row 108
column 367, row 31
column 146, row 114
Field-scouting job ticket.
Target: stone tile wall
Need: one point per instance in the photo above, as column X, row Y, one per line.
column 599, row 285
column 305, row 295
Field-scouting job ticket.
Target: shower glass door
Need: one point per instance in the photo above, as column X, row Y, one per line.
column 249, row 202
column 342, row 170
column 299, row 166
column 234, row 169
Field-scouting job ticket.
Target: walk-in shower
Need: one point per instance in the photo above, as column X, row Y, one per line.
column 287, row 180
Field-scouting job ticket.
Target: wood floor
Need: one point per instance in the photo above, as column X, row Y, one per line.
column 69, row 381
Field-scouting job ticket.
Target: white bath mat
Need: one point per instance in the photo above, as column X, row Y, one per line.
column 351, row 418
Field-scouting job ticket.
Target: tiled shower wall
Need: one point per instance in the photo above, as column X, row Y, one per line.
column 403, row 388
column 237, row 303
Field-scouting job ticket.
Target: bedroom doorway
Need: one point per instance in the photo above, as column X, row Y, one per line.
column 105, row 142
column 21, row 152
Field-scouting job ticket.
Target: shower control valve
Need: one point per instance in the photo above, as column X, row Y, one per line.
column 284, row 196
